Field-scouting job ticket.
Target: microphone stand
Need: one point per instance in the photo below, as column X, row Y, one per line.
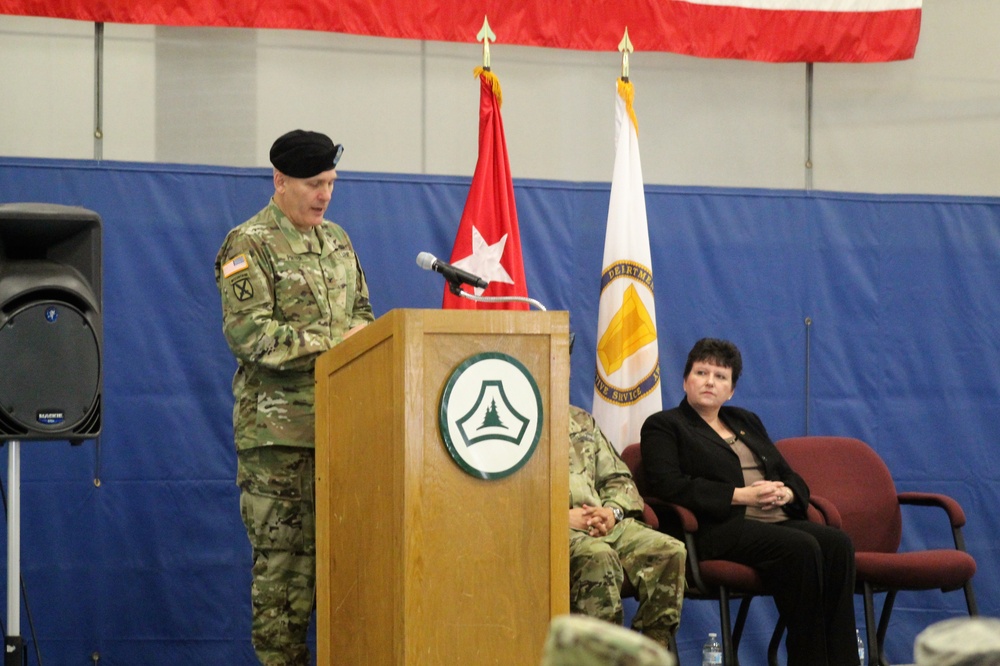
column 456, row 288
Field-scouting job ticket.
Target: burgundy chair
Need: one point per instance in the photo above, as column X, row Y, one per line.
column 852, row 476
column 719, row 580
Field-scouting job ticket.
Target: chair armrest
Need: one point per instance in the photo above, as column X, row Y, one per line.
column 649, row 516
column 682, row 524
column 675, row 514
column 825, row 511
column 954, row 510
column 675, row 521
column 687, row 517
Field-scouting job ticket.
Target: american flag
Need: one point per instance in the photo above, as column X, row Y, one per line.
column 235, row 265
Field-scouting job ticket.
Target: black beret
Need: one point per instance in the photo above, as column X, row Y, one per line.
column 302, row 154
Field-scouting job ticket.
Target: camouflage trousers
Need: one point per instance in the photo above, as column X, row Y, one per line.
column 278, row 506
column 654, row 563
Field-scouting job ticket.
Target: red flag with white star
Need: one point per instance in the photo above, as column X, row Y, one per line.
column 488, row 243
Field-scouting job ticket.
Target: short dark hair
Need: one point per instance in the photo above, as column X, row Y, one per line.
column 719, row 352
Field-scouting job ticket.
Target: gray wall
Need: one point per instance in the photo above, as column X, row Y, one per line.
column 220, row 96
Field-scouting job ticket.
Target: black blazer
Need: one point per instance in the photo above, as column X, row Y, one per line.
column 687, row 463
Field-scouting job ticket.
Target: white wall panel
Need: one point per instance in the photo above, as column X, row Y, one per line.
column 129, row 107
column 46, row 84
column 928, row 125
column 363, row 92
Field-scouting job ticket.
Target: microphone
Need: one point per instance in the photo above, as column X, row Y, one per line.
column 429, row 262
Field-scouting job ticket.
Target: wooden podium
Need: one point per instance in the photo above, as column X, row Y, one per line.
column 420, row 562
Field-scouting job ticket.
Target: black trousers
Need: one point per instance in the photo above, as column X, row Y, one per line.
column 809, row 569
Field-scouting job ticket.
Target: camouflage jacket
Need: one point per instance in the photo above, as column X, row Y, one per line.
column 286, row 298
column 597, row 475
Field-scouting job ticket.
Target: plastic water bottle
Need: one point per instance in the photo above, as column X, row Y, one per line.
column 711, row 654
column 861, row 648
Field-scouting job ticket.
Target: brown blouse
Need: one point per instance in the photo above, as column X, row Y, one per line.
column 753, row 472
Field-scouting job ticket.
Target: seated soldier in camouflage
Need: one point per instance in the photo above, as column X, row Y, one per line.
column 608, row 543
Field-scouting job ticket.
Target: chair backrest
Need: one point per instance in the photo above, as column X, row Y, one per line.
column 849, row 473
column 632, row 455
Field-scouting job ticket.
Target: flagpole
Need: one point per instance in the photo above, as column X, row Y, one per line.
column 486, row 35
column 625, row 46
column 627, row 377
column 488, row 242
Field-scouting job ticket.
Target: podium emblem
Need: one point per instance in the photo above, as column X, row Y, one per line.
column 491, row 415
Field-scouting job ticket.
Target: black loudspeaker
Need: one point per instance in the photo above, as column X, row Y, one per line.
column 50, row 323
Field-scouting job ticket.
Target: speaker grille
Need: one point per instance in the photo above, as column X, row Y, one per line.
column 50, row 385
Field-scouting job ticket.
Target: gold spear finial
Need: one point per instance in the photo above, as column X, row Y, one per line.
column 625, row 46
column 485, row 36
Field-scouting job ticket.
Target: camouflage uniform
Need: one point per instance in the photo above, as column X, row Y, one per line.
column 286, row 298
column 653, row 561
column 574, row 640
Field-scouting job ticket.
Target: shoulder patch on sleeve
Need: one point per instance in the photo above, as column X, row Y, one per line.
column 235, row 265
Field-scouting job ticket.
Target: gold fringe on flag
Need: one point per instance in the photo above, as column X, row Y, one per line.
column 495, row 83
column 627, row 92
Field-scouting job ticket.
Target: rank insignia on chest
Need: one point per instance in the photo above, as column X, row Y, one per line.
column 235, row 265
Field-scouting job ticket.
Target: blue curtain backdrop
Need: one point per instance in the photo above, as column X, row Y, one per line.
column 132, row 546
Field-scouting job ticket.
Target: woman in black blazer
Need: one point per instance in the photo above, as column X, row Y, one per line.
column 751, row 506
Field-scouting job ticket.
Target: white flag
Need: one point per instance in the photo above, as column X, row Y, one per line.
column 627, row 382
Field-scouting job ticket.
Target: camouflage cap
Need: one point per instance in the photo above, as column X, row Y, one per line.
column 578, row 640
column 964, row 641
column 303, row 154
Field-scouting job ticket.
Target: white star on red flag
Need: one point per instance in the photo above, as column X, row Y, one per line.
column 485, row 260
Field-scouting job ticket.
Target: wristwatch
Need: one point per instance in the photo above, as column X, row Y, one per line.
column 619, row 514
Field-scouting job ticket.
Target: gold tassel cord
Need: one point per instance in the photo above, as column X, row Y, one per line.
column 495, row 84
column 627, row 92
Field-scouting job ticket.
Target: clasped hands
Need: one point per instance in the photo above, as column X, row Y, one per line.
column 596, row 521
column 765, row 495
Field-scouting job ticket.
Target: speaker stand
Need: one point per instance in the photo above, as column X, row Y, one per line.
column 13, row 643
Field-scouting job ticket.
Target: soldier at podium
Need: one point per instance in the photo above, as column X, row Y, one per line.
column 292, row 288
column 608, row 543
